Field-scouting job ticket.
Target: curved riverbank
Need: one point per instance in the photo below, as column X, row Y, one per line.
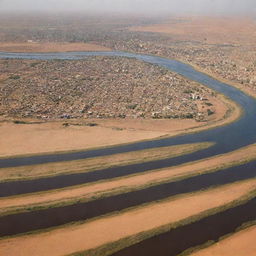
column 226, row 138
column 223, row 120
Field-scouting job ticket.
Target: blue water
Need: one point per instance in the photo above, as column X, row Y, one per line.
column 227, row 138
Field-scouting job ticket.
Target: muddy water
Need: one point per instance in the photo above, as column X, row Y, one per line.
column 29, row 221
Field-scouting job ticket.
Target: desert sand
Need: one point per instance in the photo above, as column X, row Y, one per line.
column 209, row 29
column 53, row 136
column 50, row 47
column 241, row 243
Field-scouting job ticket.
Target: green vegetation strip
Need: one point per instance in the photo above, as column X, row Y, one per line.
column 112, row 192
column 110, row 248
column 92, row 164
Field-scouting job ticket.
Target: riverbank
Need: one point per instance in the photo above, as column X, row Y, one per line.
column 134, row 182
column 96, row 163
column 241, row 242
column 29, row 137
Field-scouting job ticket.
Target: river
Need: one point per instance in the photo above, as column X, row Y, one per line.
column 226, row 138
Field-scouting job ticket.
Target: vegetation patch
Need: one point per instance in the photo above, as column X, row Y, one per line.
column 91, row 164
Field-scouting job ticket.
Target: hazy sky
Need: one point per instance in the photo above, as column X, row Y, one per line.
column 133, row 6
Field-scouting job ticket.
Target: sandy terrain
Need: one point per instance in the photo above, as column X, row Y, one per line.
column 50, row 137
column 209, row 29
column 241, row 243
column 34, row 138
column 122, row 183
column 50, row 47
column 73, row 238
column 89, row 164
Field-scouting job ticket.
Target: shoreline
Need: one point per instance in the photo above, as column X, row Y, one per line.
column 232, row 113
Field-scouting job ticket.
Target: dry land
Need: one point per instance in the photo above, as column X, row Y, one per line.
column 20, row 139
column 50, row 47
column 241, row 243
column 123, row 225
column 212, row 30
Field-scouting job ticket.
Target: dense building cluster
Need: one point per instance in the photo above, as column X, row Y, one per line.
column 99, row 87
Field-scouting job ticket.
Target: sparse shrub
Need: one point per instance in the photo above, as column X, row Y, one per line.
column 189, row 116
column 19, row 122
column 187, row 91
column 132, row 106
column 15, row 77
column 91, row 124
column 210, row 112
column 34, row 64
